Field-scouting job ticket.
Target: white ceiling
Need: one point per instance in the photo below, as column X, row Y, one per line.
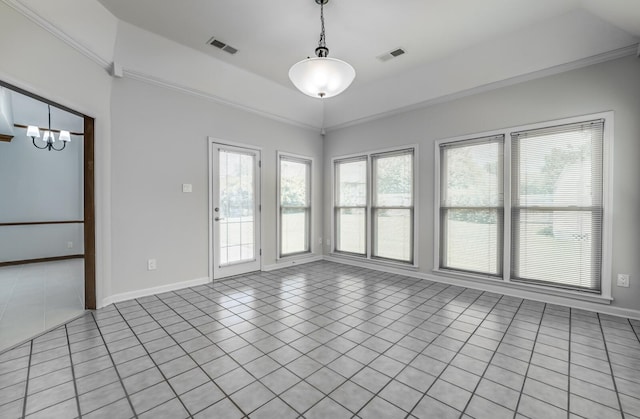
column 273, row 35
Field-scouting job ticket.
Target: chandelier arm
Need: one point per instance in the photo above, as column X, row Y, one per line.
column 36, row 145
column 64, row 144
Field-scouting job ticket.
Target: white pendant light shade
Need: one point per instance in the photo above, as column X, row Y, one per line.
column 48, row 136
column 322, row 77
column 65, row 136
column 33, row 131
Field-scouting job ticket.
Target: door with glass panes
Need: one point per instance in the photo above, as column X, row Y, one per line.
column 235, row 210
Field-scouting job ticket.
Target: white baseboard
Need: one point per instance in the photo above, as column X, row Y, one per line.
column 498, row 289
column 285, row 263
column 154, row 290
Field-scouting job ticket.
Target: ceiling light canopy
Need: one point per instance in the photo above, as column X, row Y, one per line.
column 322, row 76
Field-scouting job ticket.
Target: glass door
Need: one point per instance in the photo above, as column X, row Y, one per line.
column 235, row 202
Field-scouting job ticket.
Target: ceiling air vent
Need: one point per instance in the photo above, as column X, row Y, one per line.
column 221, row 45
column 391, row 54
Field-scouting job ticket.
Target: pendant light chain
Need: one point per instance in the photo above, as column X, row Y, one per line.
column 322, row 43
column 322, row 50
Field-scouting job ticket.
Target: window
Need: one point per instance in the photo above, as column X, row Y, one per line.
column 374, row 206
column 351, row 206
column 392, row 207
column 549, row 181
column 294, row 205
column 557, row 205
column 471, row 205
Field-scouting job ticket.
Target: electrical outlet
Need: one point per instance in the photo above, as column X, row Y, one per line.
column 328, row 242
column 319, row 240
column 152, row 265
column 69, row 245
column 623, row 280
column 187, row 188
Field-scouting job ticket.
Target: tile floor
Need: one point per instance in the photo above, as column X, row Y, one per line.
column 326, row 340
column 38, row 296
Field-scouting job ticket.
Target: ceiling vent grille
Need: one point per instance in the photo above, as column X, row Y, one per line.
column 221, row 45
column 391, row 54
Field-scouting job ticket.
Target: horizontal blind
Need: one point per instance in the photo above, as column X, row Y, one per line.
column 392, row 205
column 471, row 205
column 557, row 205
column 295, row 205
column 350, row 205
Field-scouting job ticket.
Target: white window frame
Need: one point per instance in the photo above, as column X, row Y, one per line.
column 607, row 202
column 301, row 159
column 369, row 210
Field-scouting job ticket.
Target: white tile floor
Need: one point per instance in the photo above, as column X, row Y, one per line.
column 37, row 297
column 326, row 340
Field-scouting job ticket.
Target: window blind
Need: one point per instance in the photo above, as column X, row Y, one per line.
column 392, row 205
column 295, row 205
column 350, row 209
column 471, row 205
column 557, row 205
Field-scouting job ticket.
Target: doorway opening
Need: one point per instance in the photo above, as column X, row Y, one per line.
column 47, row 217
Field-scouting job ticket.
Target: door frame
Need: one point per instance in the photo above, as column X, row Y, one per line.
column 211, row 143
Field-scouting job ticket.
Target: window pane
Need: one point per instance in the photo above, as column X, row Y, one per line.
column 351, row 230
column 294, row 228
column 557, row 247
column 351, row 182
column 472, row 175
column 393, row 180
column 294, row 183
column 237, row 196
column 471, row 240
column 559, row 169
column 393, row 231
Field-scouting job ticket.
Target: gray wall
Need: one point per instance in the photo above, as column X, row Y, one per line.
column 40, row 185
column 159, row 142
column 614, row 85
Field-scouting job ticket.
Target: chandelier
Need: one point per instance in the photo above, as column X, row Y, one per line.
column 322, row 76
column 47, row 137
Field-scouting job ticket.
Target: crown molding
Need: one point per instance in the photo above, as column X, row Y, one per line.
column 561, row 68
column 147, row 78
column 57, row 32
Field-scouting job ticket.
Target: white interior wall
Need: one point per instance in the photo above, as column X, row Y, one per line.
column 613, row 85
column 40, row 185
column 160, row 140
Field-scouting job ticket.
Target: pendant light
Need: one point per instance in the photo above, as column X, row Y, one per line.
column 322, row 76
column 47, row 137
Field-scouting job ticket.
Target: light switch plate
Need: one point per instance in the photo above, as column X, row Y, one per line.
column 187, row 187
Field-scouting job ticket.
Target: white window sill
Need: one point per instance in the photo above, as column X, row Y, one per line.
column 296, row 256
column 380, row 262
column 558, row 292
